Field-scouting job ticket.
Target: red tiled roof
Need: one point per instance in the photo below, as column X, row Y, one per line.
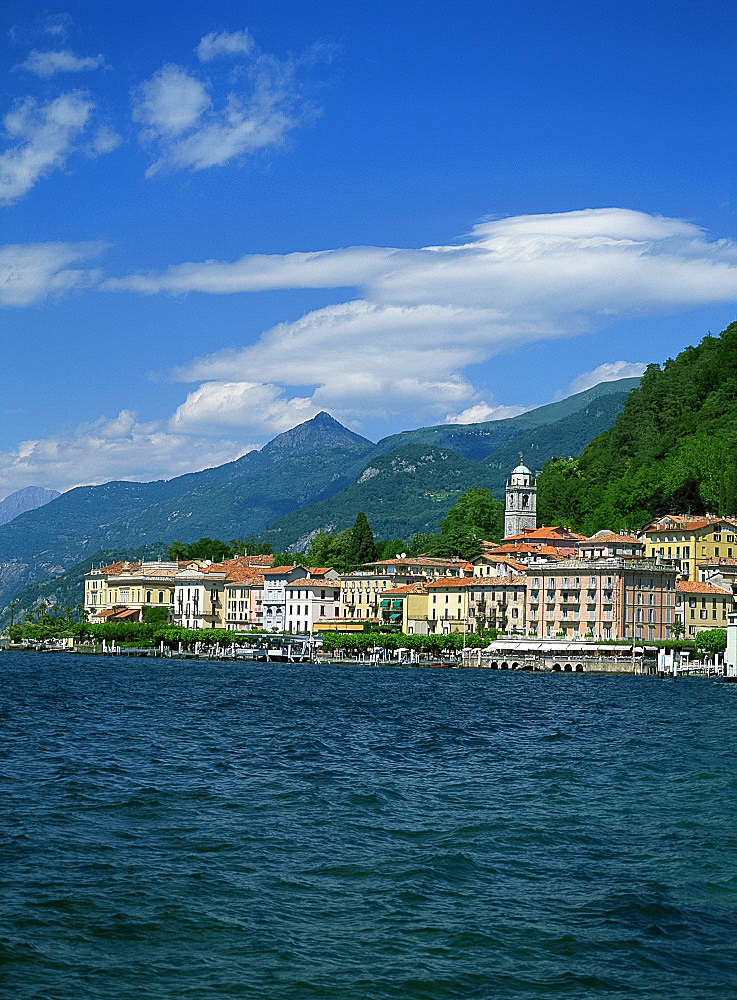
column 115, row 613
column 280, row 570
column 607, row 538
column 700, row 587
column 545, row 533
column 116, row 568
column 683, row 523
column 448, row 582
column 409, row 588
column 500, row 581
column 532, row 548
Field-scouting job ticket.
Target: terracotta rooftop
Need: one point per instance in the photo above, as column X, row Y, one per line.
column 545, row 533
column 409, row 588
column 533, row 548
column 280, row 570
column 699, row 587
column 115, row 613
column 448, row 582
column 609, row 538
column 683, row 523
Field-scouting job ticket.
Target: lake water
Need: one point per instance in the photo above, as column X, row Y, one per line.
column 175, row 829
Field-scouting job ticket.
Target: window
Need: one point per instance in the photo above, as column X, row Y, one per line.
column 148, row 596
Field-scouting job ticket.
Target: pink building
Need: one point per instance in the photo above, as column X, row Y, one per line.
column 613, row 598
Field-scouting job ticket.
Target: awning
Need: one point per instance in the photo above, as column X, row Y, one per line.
column 397, row 604
column 394, row 617
column 386, row 603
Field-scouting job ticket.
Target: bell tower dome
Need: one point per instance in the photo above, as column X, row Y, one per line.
column 520, row 510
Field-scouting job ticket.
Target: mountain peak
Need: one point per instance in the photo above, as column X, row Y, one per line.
column 321, row 431
column 28, row 498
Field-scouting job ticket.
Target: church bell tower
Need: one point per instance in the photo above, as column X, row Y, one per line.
column 520, row 510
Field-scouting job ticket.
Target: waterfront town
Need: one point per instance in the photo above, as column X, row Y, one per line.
column 673, row 578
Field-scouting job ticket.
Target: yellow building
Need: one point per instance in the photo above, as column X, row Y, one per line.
column 448, row 604
column 691, row 540
column 362, row 591
column 131, row 585
column 701, row 606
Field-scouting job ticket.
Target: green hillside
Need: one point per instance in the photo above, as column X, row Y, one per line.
column 403, row 492
column 302, row 465
column 306, row 465
column 567, row 436
column 479, row 441
column 399, row 506
column 673, row 448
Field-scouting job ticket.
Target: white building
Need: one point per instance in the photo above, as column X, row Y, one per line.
column 311, row 600
column 276, row 579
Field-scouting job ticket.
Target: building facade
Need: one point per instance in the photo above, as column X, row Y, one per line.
column 614, row 598
column 691, row 540
column 311, row 600
column 702, row 606
column 199, row 598
column 276, row 579
column 134, row 586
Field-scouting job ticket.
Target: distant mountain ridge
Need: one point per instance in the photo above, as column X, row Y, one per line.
column 399, row 507
column 309, row 464
column 29, row 498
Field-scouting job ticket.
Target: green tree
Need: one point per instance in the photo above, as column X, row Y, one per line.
column 362, row 548
column 677, row 629
column 712, row 640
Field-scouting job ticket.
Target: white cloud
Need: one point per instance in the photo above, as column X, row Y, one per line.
column 481, row 412
column 169, row 103
column 425, row 315
column 46, row 64
column 187, row 130
column 56, row 25
column 105, row 449
column 608, row 372
column 103, row 141
column 31, row 272
column 42, row 136
column 223, row 44
column 415, row 321
column 262, row 408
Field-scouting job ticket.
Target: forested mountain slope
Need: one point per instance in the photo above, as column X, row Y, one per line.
column 307, row 463
column 406, row 491
column 479, row 441
column 674, row 445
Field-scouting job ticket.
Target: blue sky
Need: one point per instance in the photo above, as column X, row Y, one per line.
column 218, row 219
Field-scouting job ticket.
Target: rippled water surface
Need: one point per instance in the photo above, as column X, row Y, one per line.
column 192, row 830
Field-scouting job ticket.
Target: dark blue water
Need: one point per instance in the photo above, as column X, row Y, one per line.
column 187, row 830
